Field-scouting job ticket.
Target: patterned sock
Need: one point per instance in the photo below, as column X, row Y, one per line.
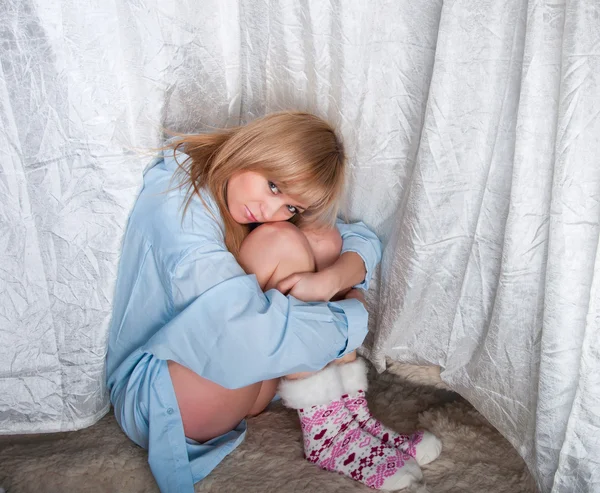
column 422, row 445
column 335, row 441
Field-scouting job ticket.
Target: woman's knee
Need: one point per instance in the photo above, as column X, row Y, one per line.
column 326, row 245
column 278, row 246
column 281, row 233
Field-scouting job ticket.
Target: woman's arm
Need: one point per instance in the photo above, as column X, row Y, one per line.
column 360, row 240
column 352, row 267
column 347, row 271
column 232, row 333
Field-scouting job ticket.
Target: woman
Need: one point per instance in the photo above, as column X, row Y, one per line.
column 196, row 345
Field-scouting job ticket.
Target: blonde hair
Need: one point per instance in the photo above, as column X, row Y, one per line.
column 298, row 151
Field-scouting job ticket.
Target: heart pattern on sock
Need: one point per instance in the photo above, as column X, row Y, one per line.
column 319, row 435
column 350, row 459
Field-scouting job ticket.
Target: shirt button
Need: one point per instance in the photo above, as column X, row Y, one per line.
column 170, row 411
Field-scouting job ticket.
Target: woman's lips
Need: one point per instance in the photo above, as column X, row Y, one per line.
column 250, row 215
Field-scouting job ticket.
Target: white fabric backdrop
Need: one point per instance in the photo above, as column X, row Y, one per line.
column 473, row 132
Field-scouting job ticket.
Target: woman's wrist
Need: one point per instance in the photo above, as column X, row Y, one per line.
column 348, row 271
column 333, row 280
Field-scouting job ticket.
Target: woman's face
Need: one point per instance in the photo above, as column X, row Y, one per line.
column 252, row 198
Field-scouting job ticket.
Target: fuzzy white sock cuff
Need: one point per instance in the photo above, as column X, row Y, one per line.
column 354, row 376
column 317, row 390
column 325, row 386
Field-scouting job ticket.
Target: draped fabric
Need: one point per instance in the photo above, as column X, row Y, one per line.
column 473, row 135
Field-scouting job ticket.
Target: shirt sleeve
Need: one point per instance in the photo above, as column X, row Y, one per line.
column 356, row 237
column 230, row 332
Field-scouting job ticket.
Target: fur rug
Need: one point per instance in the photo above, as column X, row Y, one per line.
column 100, row 459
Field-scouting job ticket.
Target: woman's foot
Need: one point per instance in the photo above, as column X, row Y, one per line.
column 335, row 441
column 424, row 446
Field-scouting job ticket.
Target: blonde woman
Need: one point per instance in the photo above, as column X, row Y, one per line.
column 209, row 316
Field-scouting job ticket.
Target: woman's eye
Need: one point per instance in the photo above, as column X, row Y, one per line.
column 273, row 187
column 292, row 209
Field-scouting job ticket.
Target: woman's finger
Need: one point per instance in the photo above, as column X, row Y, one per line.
column 285, row 285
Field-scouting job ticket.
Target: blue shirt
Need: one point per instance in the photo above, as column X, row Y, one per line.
column 181, row 296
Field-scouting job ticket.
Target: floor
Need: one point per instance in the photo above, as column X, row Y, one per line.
column 475, row 458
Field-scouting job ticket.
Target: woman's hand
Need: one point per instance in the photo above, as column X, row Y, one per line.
column 357, row 294
column 310, row 286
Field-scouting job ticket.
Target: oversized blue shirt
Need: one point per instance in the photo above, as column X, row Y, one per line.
column 182, row 296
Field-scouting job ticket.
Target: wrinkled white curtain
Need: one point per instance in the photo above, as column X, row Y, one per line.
column 473, row 133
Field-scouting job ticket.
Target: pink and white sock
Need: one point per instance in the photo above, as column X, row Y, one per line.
column 336, row 442
column 422, row 445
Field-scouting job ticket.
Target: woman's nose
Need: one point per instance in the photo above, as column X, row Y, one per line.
column 270, row 207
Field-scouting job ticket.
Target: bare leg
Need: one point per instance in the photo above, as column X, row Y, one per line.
column 268, row 390
column 275, row 251
column 326, row 245
column 207, row 409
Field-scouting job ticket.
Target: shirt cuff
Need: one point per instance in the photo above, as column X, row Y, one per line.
column 357, row 318
column 369, row 258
